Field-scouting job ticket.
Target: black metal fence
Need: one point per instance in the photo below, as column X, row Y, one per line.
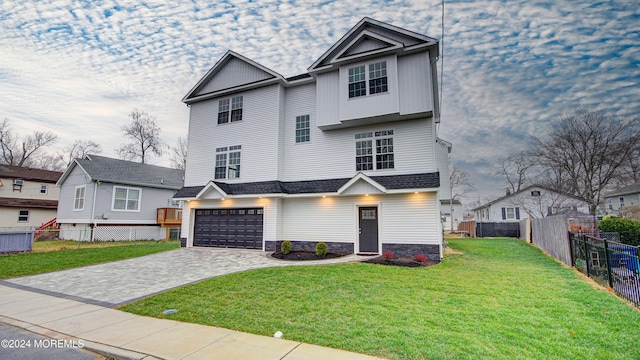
column 609, row 263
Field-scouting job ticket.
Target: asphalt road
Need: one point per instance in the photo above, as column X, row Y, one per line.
column 20, row 344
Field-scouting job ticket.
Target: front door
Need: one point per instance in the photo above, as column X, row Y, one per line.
column 368, row 229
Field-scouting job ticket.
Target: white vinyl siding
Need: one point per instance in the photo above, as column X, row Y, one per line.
column 259, row 133
column 414, row 84
column 236, row 72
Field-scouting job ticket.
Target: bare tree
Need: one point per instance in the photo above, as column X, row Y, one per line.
column 459, row 185
column 179, row 154
column 587, row 150
column 515, row 168
column 19, row 152
column 144, row 135
column 79, row 149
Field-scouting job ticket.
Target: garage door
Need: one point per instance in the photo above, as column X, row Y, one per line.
column 231, row 228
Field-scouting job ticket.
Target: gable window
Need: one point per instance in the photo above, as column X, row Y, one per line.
column 44, row 189
column 302, row 129
column 228, row 162
column 511, row 213
column 382, row 151
column 357, row 82
column 535, row 193
column 376, row 76
column 126, row 199
column 78, row 200
column 235, row 105
column 23, row 216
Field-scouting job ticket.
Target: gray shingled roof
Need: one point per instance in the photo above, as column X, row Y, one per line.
column 127, row 172
column 393, row 182
column 631, row 189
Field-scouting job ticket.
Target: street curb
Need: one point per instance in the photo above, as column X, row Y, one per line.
column 108, row 351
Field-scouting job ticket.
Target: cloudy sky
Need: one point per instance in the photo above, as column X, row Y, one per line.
column 78, row 68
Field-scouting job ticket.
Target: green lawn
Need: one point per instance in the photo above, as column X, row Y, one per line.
column 500, row 299
column 58, row 255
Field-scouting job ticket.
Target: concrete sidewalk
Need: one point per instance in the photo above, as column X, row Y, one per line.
column 123, row 335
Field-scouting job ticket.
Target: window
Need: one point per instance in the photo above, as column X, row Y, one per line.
column 383, row 150
column 44, row 189
column 377, row 76
column 302, row 129
column 126, row 199
column 621, row 202
column 23, row 216
column 78, row 202
column 357, row 82
column 511, row 213
column 610, row 203
column 535, row 193
column 227, row 162
column 224, row 116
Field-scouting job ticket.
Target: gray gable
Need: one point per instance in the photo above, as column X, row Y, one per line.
column 394, row 182
column 105, row 169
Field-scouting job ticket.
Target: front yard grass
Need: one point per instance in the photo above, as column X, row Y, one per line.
column 500, row 298
column 58, row 255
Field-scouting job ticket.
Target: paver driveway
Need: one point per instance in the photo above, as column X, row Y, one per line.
column 115, row 283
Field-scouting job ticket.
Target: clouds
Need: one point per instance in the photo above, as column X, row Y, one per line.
column 79, row 68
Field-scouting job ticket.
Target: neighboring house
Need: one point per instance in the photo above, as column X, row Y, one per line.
column 443, row 161
column 342, row 154
column 28, row 197
column 110, row 199
column 627, row 196
column 533, row 201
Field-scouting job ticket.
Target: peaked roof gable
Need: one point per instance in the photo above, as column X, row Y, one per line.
column 233, row 72
column 100, row 168
column 523, row 190
column 26, row 173
column 371, row 37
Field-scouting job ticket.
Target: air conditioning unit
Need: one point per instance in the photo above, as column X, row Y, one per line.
column 105, row 216
column 18, row 182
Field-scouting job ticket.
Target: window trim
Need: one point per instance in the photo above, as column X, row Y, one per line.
column 76, row 198
column 226, row 152
column 232, row 108
column 368, row 82
column 126, row 199
column 372, row 142
column 45, row 188
column 303, row 134
column 22, row 216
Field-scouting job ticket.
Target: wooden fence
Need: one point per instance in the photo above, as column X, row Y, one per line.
column 551, row 234
column 468, row 227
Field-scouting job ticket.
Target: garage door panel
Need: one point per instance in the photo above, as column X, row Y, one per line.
column 234, row 228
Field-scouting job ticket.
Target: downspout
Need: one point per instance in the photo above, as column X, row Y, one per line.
column 93, row 208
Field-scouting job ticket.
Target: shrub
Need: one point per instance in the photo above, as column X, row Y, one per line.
column 321, row 249
column 420, row 258
column 629, row 230
column 388, row 255
column 285, row 247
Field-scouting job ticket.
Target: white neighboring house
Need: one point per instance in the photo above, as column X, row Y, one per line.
column 458, row 214
column 28, row 197
column 627, row 196
column 342, row 154
column 533, row 201
column 110, row 199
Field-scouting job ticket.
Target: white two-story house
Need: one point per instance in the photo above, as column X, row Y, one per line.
column 343, row 154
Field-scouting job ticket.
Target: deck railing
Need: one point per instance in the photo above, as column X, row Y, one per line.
column 169, row 216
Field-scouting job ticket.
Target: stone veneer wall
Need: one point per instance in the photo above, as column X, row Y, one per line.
column 431, row 251
column 332, row 247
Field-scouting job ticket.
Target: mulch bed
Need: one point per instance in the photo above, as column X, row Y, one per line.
column 400, row 261
column 396, row 261
column 304, row 255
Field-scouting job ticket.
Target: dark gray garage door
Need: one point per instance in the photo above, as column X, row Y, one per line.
column 233, row 228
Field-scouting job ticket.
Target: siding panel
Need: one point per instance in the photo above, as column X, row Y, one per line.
column 235, row 73
column 414, row 78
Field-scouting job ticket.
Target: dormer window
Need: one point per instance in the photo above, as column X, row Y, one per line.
column 224, row 115
column 377, row 78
